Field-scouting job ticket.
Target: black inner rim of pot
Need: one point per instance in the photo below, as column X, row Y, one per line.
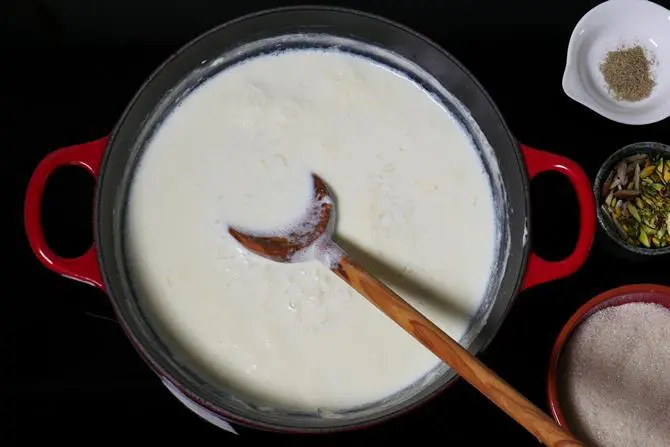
column 133, row 317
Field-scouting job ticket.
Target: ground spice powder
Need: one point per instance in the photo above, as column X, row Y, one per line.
column 627, row 72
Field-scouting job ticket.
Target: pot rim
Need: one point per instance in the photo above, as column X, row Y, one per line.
column 491, row 327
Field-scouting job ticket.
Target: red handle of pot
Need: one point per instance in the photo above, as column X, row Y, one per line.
column 84, row 268
column 540, row 270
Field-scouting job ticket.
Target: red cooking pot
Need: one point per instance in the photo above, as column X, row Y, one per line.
column 112, row 161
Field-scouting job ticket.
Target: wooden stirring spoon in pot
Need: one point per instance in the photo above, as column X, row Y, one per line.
column 312, row 239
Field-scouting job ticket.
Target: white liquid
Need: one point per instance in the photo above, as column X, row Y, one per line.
column 410, row 191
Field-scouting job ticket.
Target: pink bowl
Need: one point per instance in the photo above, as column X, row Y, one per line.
column 635, row 293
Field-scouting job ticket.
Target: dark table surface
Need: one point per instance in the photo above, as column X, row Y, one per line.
column 67, row 70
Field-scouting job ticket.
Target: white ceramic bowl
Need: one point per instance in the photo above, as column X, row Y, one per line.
column 607, row 27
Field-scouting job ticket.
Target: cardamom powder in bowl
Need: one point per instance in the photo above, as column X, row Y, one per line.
column 618, row 61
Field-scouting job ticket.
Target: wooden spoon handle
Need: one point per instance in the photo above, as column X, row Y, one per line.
column 447, row 349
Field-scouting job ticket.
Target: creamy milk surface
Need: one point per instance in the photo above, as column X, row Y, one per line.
column 414, row 205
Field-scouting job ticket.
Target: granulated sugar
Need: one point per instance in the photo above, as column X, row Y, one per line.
column 615, row 374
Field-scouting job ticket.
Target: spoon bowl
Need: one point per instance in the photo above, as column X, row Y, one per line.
column 314, row 229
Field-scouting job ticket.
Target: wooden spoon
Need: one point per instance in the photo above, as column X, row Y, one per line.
column 312, row 239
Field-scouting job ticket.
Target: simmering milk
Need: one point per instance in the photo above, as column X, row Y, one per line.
column 414, row 205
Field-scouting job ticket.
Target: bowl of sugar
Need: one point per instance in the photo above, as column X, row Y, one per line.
column 609, row 381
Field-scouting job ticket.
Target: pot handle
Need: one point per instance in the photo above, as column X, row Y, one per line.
column 540, row 270
column 84, row 268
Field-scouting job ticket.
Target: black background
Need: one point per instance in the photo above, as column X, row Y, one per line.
column 67, row 70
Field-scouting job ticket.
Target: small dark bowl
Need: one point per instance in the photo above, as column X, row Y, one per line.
column 604, row 220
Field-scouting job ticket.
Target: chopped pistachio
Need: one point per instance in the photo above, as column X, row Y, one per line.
column 647, row 229
column 633, row 211
column 646, row 172
column 644, row 239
